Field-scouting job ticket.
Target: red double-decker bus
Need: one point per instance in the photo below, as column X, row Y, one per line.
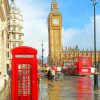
column 80, row 65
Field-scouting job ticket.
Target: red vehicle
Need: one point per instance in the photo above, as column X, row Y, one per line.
column 80, row 65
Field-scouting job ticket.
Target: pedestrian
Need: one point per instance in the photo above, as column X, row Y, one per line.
column 49, row 75
column 65, row 73
column 10, row 72
column 53, row 74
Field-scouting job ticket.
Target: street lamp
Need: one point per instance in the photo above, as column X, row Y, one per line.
column 42, row 52
column 96, row 85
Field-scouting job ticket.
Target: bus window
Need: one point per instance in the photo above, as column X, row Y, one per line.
column 84, row 58
column 85, row 64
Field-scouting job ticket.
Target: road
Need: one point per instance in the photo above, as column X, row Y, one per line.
column 74, row 88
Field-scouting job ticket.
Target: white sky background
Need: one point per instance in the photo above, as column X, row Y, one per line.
column 35, row 28
column 35, row 25
column 83, row 37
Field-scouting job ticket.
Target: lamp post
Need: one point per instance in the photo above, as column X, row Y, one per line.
column 96, row 85
column 42, row 52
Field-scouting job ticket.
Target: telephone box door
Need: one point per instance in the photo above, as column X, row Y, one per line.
column 24, row 81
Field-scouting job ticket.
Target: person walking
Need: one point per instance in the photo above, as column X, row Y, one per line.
column 65, row 73
column 53, row 74
column 49, row 75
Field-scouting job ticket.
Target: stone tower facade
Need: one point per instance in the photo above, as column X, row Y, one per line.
column 15, row 34
column 55, row 34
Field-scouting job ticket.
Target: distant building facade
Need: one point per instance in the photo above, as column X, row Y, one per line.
column 4, row 11
column 55, row 34
column 70, row 52
column 15, row 31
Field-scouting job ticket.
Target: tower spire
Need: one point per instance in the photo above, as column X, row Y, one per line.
column 54, row 6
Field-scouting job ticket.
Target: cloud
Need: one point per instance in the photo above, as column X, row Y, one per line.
column 84, row 37
column 35, row 24
column 68, row 35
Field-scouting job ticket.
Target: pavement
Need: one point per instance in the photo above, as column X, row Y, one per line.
column 2, row 81
column 74, row 88
column 5, row 92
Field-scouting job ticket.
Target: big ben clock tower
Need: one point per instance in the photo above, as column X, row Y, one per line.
column 55, row 34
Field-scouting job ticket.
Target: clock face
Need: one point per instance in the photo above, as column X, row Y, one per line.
column 56, row 21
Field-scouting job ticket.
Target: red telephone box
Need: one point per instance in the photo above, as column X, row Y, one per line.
column 24, row 78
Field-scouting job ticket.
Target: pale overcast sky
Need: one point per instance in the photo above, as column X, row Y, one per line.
column 77, row 23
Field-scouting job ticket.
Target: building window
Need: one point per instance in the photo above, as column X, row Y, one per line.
column 20, row 44
column 19, row 29
column 8, row 36
column 12, row 7
column 14, row 36
column 19, row 37
column 7, row 54
column 9, row 27
column 2, row 34
column 13, row 28
column 7, row 68
column 14, row 45
column 13, row 22
column 7, row 45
